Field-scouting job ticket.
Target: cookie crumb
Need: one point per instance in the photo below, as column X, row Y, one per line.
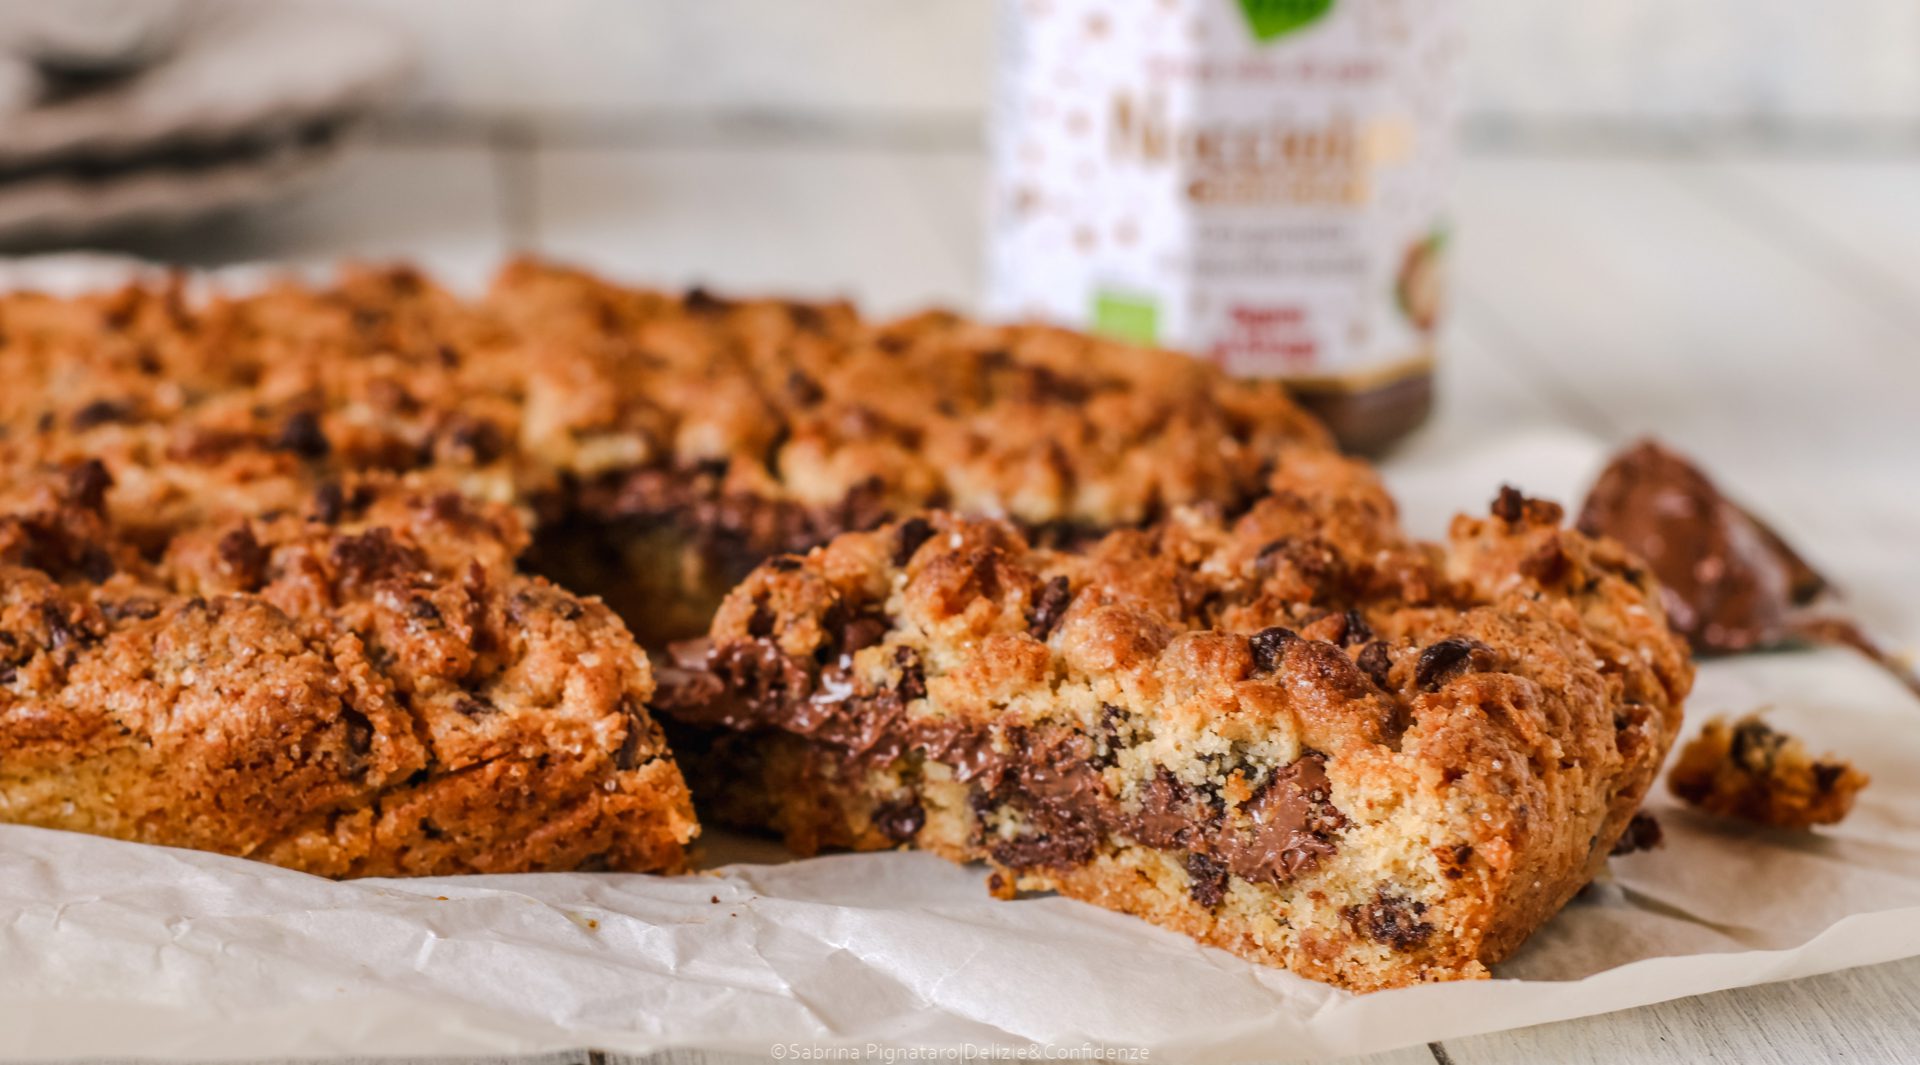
column 1749, row 770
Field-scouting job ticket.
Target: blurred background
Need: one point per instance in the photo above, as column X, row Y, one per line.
column 1700, row 220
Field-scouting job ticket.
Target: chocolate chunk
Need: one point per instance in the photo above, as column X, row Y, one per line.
column 1510, row 506
column 900, row 821
column 1729, row 582
column 1643, row 834
column 375, row 555
column 1209, row 876
column 301, row 434
column 477, row 439
column 1377, row 663
column 87, row 485
column 1357, row 631
column 243, row 558
column 862, row 632
column 420, row 608
column 1393, row 919
column 1441, row 662
column 99, row 412
column 1268, row 645
column 1048, row 608
column 913, row 532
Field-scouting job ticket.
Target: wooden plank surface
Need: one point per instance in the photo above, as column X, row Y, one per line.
column 1760, row 313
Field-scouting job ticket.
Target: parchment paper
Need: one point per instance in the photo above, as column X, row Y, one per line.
column 116, row 949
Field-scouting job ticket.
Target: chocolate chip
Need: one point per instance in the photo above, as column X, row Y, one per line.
column 96, row 565
column 329, row 502
column 62, row 629
column 862, row 632
column 244, row 559
column 1357, row 630
column 1754, row 746
column 479, row 439
column 638, row 730
column 900, row 821
column 87, row 485
column 99, row 412
column 913, row 532
column 1509, row 506
column 1209, row 876
column 375, row 555
column 1643, row 834
column 301, row 434
column 137, row 608
column 569, row 609
column 469, row 706
column 359, row 739
column 913, row 674
column 784, row 563
column 1826, row 775
column 804, row 390
column 422, row 608
column 1268, row 645
column 700, row 301
column 1393, row 919
column 1377, row 663
column 1048, row 607
column 1444, row 660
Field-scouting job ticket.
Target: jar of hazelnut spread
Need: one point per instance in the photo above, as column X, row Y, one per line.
column 1259, row 182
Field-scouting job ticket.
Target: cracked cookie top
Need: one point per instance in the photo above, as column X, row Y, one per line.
column 554, row 379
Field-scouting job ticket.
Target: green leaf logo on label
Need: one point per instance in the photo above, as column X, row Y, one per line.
column 1276, row 18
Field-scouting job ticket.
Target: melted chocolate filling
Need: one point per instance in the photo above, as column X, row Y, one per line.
column 1047, row 777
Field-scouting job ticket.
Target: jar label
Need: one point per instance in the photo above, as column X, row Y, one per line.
column 1260, row 182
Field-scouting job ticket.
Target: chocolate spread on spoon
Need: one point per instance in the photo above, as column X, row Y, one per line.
column 1729, row 582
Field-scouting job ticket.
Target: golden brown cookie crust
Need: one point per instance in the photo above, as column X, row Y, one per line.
column 1294, row 734
column 372, row 691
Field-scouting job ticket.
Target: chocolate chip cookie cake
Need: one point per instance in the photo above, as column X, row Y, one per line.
column 355, row 577
column 336, row 509
column 1293, row 733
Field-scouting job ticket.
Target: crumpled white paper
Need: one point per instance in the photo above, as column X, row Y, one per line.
column 114, row 949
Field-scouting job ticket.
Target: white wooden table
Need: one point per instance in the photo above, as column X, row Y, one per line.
column 1761, row 312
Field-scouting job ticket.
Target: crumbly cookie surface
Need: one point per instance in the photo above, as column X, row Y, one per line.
column 363, row 685
column 234, row 462
column 1293, row 734
column 1747, row 769
column 670, row 441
